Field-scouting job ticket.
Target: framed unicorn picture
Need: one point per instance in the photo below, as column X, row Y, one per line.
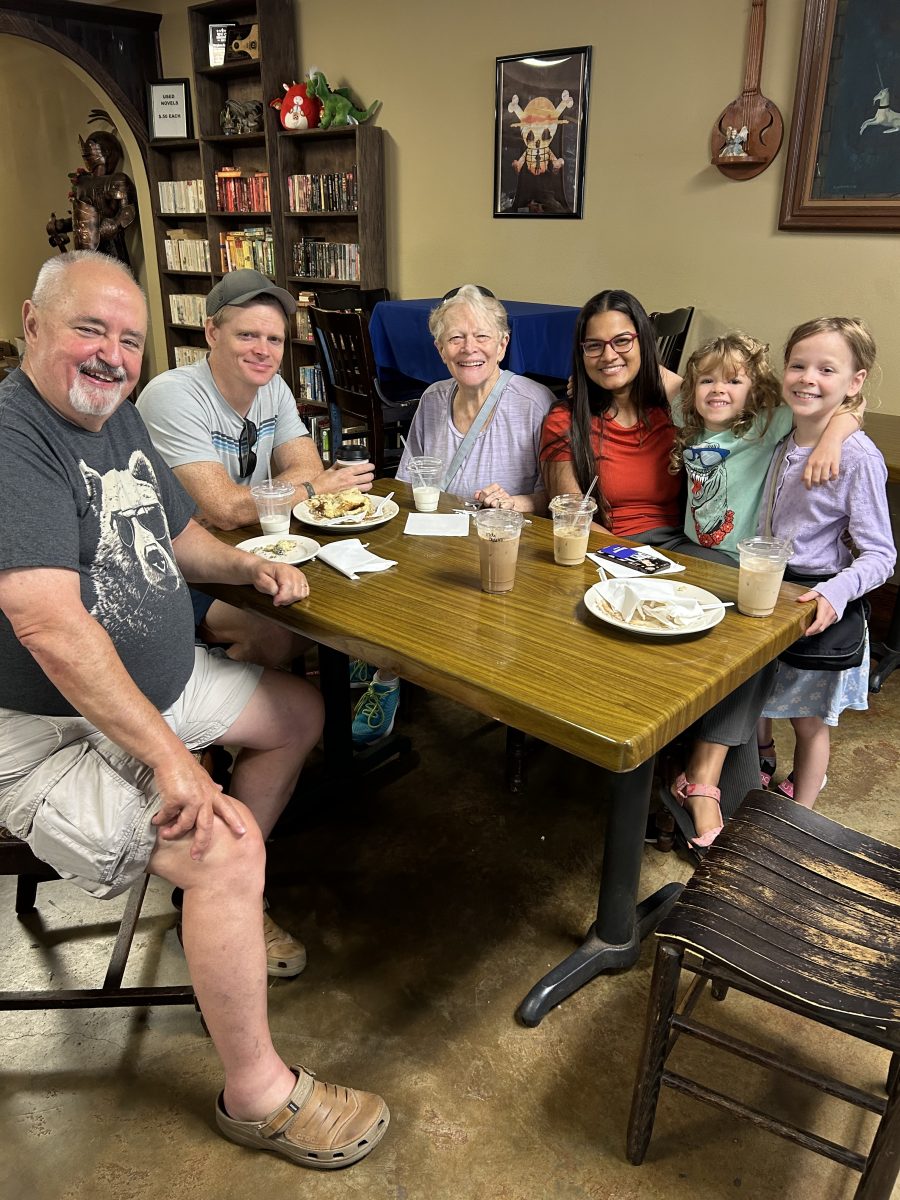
column 843, row 168
column 540, row 130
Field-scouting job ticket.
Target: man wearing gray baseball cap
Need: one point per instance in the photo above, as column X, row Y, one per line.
column 226, row 422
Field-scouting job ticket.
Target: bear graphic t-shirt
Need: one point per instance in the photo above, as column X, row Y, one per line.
column 105, row 505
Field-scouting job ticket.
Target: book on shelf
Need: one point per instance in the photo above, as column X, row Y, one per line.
column 334, row 191
column 301, row 317
column 236, row 192
column 186, row 250
column 251, row 247
column 186, row 355
column 311, row 388
column 188, row 309
column 181, row 196
column 219, row 37
column 315, row 258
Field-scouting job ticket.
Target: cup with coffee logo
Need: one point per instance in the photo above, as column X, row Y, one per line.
column 572, row 515
column 498, row 547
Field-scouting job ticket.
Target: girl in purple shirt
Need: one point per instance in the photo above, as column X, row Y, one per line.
column 826, row 361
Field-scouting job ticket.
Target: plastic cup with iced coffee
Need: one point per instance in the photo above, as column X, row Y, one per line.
column 572, row 515
column 498, row 547
column 761, row 571
column 425, row 475
column 273, row 505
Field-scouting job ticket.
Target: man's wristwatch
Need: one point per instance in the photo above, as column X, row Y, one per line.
column 310, row 490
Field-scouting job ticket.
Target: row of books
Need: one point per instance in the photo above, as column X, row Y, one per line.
column 314, row 258
column 334, row 191
column 181, row 196
column 186, row 251
column 251, row 247
column 188, row 309
column 185, row 355
column 310, row 388
column 236, row 192
column 301, row 317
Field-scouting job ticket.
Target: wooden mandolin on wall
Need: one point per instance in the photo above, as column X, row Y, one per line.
column 747, row 135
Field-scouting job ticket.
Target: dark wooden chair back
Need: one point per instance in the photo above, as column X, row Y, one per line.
column 348, row 370
column 671, row 329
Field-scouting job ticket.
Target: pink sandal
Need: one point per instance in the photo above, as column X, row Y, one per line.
column 681, row 790
column 767, row 762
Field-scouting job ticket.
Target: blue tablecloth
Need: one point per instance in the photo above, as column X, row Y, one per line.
column 540, row 340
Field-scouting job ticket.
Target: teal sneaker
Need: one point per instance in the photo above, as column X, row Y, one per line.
column 361, row 673
column 373, row 717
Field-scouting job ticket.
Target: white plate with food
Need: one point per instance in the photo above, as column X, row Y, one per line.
column 290, row 548
column 654, row 607
column 340, row 512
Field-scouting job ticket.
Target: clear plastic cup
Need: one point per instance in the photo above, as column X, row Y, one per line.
column 761, row 571
column 425, row 474
column 273, row 505
column 498, row 546
column 572, row 516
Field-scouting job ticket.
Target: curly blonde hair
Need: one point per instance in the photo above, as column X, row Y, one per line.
column 735, row 352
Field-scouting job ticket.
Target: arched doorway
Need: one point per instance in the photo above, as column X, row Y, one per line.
column 45, row 73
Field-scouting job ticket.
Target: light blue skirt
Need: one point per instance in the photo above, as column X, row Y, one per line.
column 822, row 694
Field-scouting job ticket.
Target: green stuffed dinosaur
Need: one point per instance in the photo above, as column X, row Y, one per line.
column 337, row 106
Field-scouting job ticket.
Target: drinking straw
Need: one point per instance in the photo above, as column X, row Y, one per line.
column 590, row 489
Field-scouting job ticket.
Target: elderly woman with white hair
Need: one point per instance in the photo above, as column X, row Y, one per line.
column 484, row 424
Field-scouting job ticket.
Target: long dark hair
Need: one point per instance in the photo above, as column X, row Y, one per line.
column 590, row 400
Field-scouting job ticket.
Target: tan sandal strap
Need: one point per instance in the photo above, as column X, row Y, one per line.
column 281, row 1119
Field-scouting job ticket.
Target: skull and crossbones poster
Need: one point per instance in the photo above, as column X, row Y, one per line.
column 541, row 127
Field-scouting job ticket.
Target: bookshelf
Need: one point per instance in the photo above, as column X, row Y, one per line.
column 194, row 166
column 242, row 181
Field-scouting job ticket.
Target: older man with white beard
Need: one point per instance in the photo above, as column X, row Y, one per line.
column 103, row 694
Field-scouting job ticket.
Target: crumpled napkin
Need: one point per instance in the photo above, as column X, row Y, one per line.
column 651, row 605
column 618, row 570
column 350, row 556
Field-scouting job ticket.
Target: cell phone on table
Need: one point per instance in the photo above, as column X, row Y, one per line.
column 638, row 558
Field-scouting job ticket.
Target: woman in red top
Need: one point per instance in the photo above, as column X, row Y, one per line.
column 618, row 424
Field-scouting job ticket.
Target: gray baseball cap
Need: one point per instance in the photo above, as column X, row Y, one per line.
column 240, row 287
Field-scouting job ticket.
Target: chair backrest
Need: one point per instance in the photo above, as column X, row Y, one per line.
column 671, row 330
column 348, row 371
column 350, row 299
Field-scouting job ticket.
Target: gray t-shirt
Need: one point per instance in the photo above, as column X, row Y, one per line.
column 190, row 420
column 105, row 505
column 505, row 451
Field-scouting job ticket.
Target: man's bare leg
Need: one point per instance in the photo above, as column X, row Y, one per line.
column 250, row 637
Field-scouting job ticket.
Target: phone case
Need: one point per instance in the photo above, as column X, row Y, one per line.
column 636, row 558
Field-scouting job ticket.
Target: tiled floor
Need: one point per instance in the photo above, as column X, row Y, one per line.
column 428, row 908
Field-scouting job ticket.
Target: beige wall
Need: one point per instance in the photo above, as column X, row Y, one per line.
column 46, row 100
column 658, row 219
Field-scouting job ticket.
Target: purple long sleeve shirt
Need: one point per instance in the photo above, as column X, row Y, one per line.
column 816, row 520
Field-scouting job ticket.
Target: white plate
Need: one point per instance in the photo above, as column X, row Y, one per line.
column 386, row 513
column 684, row 591
column 304, row 547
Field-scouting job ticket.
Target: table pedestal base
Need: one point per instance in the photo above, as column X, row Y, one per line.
column 595, row 956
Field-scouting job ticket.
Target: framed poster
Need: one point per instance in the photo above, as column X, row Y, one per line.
column 540, row 133
column 169, row 106
column 843, row 168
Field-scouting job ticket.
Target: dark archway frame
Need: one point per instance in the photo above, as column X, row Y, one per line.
column 17, row 24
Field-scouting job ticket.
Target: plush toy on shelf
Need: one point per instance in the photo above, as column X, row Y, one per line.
column 298, row 109
column 337, row 105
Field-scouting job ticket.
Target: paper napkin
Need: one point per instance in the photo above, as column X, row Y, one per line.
column 350, row 556
column 617, row 570
column 438, row 524
column 648, row 602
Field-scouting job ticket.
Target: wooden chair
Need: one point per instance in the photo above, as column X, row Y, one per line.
column 348, row 370
column 796, row 910
column 671, row 331
column 17, row 859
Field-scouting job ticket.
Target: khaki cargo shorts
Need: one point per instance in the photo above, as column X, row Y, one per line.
column 81, row 803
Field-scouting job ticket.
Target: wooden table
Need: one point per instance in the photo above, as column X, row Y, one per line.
column 884, row 430
column 536, row 660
